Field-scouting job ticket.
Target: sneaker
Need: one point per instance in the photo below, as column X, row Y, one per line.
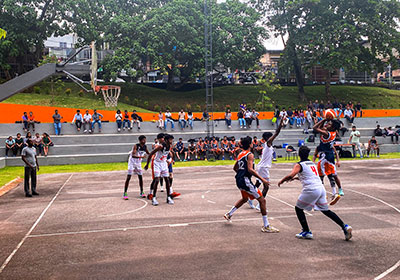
column 228, row 217
column 269, row 229
column 250, row 202
column 223, row 158
column 258, row 207
column 142, row 195
column 335, row 199
column 126, row 196
column 341, row 193
column 348, row 232
column 150, row 196
column 170, row 200
column 154, row 201
column 377, row 156
column 175, row 194
column 119, row 129
column 90, row 131
column 35, row 193
column 28, row 195
column 85, row 131
column 305, row 235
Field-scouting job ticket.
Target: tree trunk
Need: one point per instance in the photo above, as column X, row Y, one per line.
column 328, row 84
column 299, row 78
column 170, row 84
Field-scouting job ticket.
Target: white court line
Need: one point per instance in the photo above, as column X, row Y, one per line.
column 33, row 227
column 284, row 202
column 380, row 276
column 150, row 227
column 128, row 212
column 377, row 199
column 210, row 201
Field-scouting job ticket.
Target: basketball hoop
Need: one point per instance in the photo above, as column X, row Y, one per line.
column 111, row 95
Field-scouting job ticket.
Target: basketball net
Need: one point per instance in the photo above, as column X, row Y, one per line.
column 111, row 95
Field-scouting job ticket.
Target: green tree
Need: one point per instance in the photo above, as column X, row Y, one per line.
column 267, row 86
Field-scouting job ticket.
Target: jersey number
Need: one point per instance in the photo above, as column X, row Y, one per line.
column 241, row 165
column 314, row 170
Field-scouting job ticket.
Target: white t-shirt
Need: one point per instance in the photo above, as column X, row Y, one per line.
column 182, row 115
column 168, row 115
column 87, row 117
column 118, row 117
column 283, row 114
column 247, row 115
column 348, row 112
column 355, row 136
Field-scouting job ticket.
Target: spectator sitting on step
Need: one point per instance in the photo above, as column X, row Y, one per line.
column 192, row 150
column 190, row 119
column 393, row 134
column 97, row 117
column 87, row 121
column 315, row 105
column 28, row 136
column 257, row 147
column 373, row 145
column 283, row 116
column 19, row 143
column 342, row 128
column 10, row 146
column 118, row 120
column 378, row 131
column 228, row 118
column 77, row 120
column 290, row 116
column 47, row 143
column 248, row 118
column 168, row 119
column 329, row 105
column 242, row 122
column 182, row 119
column 321, row 107
column 25, row 121
column 215, row 149
column 254, row 116
column 180, row 149
column 126, row 123
column 336, row 108
column 358, row 109
column 136, row 119
column 200, row 149
column 302, row 117
column 38, row 143
column 309, row 118
column 310, row 105
column 31, row 121
column 57, row 122
column 224, row 147
column 160, row 121
column 348, row 115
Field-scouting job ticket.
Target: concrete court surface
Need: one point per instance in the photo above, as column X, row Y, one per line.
column 80, row 228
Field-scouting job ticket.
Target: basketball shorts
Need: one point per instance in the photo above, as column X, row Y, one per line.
column 326, row 167
column 247, row 188
column 160, row 169
column 263, row 172
column 313, row 199
column 134, row 168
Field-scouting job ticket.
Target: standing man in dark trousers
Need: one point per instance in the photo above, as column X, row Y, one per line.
column 31, row 167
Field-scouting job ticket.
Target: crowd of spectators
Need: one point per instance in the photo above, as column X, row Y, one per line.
column 388, row 132
column 41, row 143
column 246, row 116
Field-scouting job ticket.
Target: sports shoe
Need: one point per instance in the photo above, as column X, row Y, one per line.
column 170, row 200
column 142, row 195
column 250, row 202
column 126, row 196
column 228, row 217
column 258, row 207
column 150, row 196
column 175, row 194
column 154, row 201
column 269, row 229
column 348, row 232
column 223, row 158
column 341, row 193
column 335, row 199
column 305, row 235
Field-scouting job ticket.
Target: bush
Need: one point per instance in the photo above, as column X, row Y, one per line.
column 68, row 91
column 127, row 99
column 157, row 108
column 36, row 90
column 198, row 108
column 168, row 108
column 188, row 107
column 136, row 102
column 145, row 104
column 81, row 93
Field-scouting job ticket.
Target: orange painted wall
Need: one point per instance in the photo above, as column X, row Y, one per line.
column 9, row 113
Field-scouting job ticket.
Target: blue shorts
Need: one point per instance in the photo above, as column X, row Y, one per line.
column 170, row 168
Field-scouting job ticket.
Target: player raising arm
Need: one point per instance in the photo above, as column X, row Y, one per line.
column 313, row 195
column 244, row 168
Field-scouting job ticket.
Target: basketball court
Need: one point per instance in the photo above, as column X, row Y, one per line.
column 79, row 227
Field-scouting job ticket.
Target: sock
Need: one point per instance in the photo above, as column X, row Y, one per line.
column 232, row 211
column 265, row 221
column 334, row 217
column 250, row 202
column 151, row 192
column 302, row 218
column 170, row 190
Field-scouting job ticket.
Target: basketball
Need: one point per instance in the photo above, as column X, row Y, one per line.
column 330, row 114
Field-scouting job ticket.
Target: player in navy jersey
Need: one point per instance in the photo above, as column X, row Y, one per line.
column 313, row 195
column 327, row 154
column 244, row 168
column 135, row 165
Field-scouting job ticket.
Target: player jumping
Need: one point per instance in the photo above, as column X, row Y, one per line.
column 244, row 168
column 134, row 165
column 312, row 196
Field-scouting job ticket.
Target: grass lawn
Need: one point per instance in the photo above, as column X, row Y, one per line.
column 9, row 173
column 145, row 99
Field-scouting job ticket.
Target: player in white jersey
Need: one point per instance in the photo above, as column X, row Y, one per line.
column 266, row 161
column 136, row 156
column 313, row 195
column 159, row 166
